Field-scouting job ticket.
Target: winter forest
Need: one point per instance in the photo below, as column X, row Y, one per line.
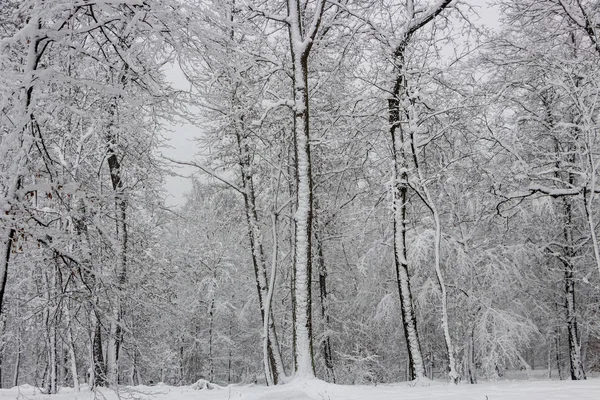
column 383, row 191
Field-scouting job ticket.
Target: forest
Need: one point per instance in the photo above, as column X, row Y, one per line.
column 383, row 191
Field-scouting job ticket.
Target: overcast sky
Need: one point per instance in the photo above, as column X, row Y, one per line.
column 181, row 146
column 181, row 139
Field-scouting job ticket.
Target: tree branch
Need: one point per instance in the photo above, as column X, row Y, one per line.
column 207, row 171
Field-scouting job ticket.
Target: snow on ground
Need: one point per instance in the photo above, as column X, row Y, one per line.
column 319, row 390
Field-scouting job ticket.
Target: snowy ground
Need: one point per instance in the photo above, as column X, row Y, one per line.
column 318, row 390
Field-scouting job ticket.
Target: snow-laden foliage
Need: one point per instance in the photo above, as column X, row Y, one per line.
column 384, row 191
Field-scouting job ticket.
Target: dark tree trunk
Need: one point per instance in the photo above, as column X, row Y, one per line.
column 98, row 358
column 558, row 356
column 577, row 370
column 256, row 246
column 326, row 348
column 116, row 332
column 8, row 233
column 400, row 198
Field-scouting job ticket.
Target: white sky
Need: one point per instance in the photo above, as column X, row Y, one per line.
column 181, row 139
column 181, row 147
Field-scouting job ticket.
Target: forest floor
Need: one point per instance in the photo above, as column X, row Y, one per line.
column 319, row 390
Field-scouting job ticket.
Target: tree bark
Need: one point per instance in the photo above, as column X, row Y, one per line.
column 50, row 327
column 399, row 203
column 7, row 244
column 269, row 299
column 87, row 273
column 323, row 296
column 211, row 361
column 115, row 331
column 19, row 346
column 301, row 41
column 577, row 370
column 471, row 367
column 557, row 350
column 276, row 370
column 71, row 347
column 23, row 140
column 98, row 366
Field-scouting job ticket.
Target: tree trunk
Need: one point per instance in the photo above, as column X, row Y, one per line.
column 19, row 347
column 98, row 366
column 428, row 199
column 71, row 346
column 7, row 243
column 2, row 348
column 23, row 140
column 50, row 325
column 269, row 299
column 471, row 367
column 399, row 202
column 115, row 335
column 577, row 370
column 275, row 370
column 303, row 227
column 558, row 352
column 301, row 41
column 97, row 370
column 211, row 361
column 549, row 361
column 323, row 297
